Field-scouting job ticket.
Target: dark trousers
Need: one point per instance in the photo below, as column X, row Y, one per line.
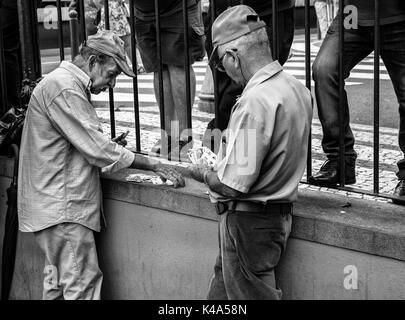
column 228, row 90
column 12, row 53
column 359, row 43
column 250, row 247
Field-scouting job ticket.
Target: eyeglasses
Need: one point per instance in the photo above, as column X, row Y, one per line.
column 219, row 66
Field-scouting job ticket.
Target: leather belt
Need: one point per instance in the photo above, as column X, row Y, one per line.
column 254, row 207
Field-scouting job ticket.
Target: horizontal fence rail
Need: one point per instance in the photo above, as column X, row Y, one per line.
column 79, row 34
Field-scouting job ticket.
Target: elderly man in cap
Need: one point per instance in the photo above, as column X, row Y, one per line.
column 62, row 151
column 260, row 162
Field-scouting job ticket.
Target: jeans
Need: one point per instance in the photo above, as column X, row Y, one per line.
column 71, row 263
column 228, row 90
column 359, row 43
column 250, row 247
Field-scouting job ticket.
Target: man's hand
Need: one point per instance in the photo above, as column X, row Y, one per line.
column 197, row 171
column 121, row 139
column 165, row 172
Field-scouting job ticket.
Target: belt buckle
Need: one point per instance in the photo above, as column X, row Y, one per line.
column 221, row 207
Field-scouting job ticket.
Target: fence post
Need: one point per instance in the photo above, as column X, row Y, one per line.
column 74, row 35
column 31, row 60
column 3, row 90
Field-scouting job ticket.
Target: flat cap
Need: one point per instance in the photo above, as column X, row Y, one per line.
column 233, row 23
column 110, row 44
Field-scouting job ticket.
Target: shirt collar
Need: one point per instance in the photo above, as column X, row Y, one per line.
column 263, row 74
column 78, row 73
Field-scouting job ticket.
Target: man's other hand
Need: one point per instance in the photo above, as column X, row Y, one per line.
column 167, row 173
column 197, row 171
column 121, row 139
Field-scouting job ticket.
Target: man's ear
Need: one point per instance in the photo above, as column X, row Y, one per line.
column 91, row 62
column 236, row 59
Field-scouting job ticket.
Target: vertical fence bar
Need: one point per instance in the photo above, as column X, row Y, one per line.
column 110, row 91
column 187, row 67
column 377, row 47
column 135, row 80
column 308, row 76
column 3, row 88
column 30, row 53
column 74, row 36
column 215, row 71
column 274, row 19
column 82, row 17
column 341, row 95
column 60, row 31
column 160, row 64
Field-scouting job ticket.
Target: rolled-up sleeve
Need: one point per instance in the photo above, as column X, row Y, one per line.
column 247, row 144
column 70, row 115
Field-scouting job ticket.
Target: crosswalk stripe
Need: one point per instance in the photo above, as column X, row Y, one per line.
column 364, row 67
column 353, row 75
column 142, row 85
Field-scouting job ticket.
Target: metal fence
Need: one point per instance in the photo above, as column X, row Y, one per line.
column 3, row 89
column 78, row 31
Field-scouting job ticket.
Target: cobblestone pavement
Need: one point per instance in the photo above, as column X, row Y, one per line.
column 150, row 122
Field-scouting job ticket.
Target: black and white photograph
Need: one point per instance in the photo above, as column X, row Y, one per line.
column 190, row 152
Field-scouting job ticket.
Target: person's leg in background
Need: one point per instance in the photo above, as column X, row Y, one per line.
column 358, row 45
column 174, row 74
column 92, row 16
column 321, row 9
column 128, row 50
column 12, row 52
column 393, row 55
column 285, row 36
column 140, row 67
column 71, row 263
column 127, row 45
column 175, row 106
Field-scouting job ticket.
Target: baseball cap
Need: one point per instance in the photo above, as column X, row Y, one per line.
column 233, row 23
column 109, row 43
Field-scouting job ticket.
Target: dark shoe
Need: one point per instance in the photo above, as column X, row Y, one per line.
column 400, row 192
column 328, row 175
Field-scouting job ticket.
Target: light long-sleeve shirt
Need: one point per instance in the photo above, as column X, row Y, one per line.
column 62, row 151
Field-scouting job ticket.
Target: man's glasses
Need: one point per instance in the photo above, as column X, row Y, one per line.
column 219, row 66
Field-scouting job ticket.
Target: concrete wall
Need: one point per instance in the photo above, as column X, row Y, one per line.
column 161, row 243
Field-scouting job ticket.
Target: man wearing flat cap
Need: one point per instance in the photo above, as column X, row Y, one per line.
column 228, row 90
column 261, row 159
column 62, row 151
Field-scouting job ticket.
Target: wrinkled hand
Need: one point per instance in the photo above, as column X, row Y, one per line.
column 167, row 173
column 121, row 139
column 197, row 171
